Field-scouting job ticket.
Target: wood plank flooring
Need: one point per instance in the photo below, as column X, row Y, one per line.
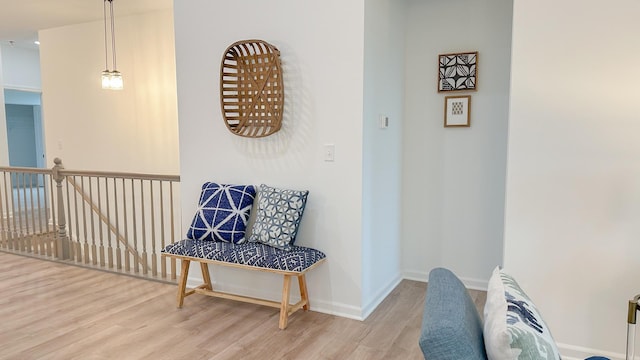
column 55, row 311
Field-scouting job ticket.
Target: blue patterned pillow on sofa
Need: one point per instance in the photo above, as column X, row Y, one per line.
column 513, row 326
column 278, row 216
column 223, row 212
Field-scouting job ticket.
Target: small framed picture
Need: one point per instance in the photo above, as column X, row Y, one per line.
column 457, row 111
column 457, row 72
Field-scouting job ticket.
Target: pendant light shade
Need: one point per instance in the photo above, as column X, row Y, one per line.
column 116, row 82
column 106, row 79
column 111, row 79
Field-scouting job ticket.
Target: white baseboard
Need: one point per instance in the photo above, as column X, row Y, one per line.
column 337, row 309
column 193, row 281
column 379, row 298
column 470, row 283
column 416, row 276
column 571, row 352
column 475, row 284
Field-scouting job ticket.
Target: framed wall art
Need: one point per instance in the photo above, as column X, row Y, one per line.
column 457, row 111
column 457, row 72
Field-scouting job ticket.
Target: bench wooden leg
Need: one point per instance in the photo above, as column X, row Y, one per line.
column 302, row 282
column 284, row 305
column 205, row 276
column 182, row 284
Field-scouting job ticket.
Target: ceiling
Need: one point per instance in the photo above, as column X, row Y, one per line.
column 20, row 20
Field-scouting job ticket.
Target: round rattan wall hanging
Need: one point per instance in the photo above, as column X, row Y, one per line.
column 251, row 88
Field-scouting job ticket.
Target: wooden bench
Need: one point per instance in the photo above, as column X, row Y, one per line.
column 251, row 256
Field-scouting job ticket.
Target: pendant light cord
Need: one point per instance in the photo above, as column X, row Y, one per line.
column 113, row 37
column 106, row 54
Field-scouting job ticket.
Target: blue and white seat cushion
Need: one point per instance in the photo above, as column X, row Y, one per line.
column 278, row 216
column 513, row 326
column 205, row 249
column 297, row 258
column 223, row 212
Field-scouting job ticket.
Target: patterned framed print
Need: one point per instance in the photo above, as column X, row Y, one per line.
column 457, row 111
column 458, row 72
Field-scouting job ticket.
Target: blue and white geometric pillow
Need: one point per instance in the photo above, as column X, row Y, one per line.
column 223, row 212
column 278, row 216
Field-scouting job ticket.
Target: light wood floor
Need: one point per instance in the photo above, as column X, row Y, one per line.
column 55, row 311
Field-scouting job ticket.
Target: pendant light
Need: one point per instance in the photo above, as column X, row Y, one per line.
column 111, row 79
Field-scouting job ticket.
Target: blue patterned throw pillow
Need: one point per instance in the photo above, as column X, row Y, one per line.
column 223, row 212
column 513, row 326
column 278, row 216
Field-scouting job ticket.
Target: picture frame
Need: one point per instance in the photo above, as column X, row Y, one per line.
column 458, row 71
column 457, row 111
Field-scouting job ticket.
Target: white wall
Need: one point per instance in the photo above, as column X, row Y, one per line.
column 4, row 147
column 573, row 184
column 21, row 68
column 453, row 178
column 135, row 129
column 382, row 149
column 322, row 56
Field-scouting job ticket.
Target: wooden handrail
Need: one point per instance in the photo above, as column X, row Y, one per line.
column 101, row 174
column 28, row 170
column 66, row 235
column 126, row 175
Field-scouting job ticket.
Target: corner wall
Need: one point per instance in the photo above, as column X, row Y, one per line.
column 573, row 184
column 321, row 45
column 453, row 178
column 382, row 149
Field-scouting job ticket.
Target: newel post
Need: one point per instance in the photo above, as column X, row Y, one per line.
column 63, row 240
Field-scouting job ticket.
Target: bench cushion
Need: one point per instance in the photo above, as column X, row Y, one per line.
column 223, row 212
column 297, row 258
column 204, row 249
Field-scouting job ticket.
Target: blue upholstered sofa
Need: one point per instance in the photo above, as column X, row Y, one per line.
column 451, row 326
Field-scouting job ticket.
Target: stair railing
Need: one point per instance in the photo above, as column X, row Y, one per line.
column 112, row 221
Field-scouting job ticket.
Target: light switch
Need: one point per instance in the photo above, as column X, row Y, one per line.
column 329, row 152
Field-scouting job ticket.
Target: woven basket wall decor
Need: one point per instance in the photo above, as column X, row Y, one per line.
column 251, row 88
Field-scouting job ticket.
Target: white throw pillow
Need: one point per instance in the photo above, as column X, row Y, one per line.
column 513, row 327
